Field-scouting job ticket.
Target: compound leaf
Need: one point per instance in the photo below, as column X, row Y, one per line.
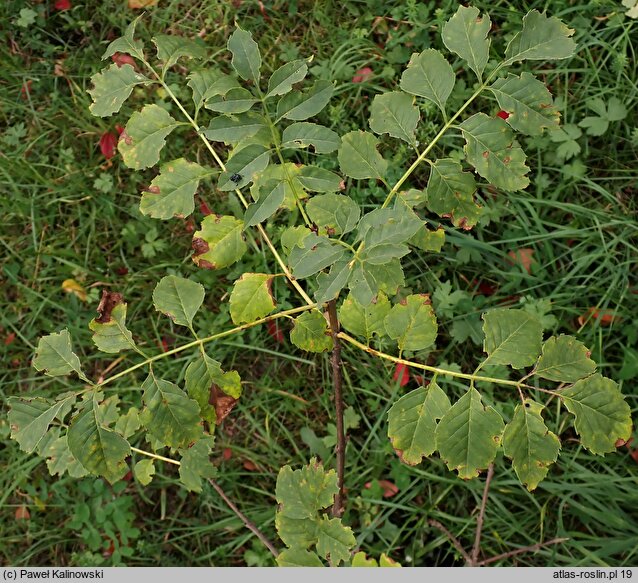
column 466, row 35
column 112, row 87
column 54, row 355
column 251, row 298
column 491, row 148
column 542, row 38
column 195, row 464
column 528, row 103
column 100, row 450
column 286, row 76
column 530, row 445
column 450, row 193
column 429, row 75
column 412, row 323
column 335, row 213
column 395, row 114
column 334, row 540
column 412, row 422
column 145, row 135
column 219, row 243
column 298, row 106
column 310, row 332
column 246, row 58
column 512, row 337
column 169, row 415
column 365, row 320
column 468, row 435
column 602, row 414
column 171, row 193
column 178, row 298
column 304, row 134
column 564, row 360
column 358, row 156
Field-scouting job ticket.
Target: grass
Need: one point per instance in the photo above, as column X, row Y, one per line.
column 579, row 217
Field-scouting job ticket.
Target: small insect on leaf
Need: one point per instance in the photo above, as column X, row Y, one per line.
column 236, row 178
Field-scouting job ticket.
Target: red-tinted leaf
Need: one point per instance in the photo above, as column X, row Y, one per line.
column 523, row 257
column 250, row 466
column 204, row 208
column 503, row 114
column 62, row 4
column 401, row 374
column 10, row 338
column 121, row 59
column 275, row 331
column 108, row 144
column 362, row 75
column 227, row 454
column 603, row 317
column 389, row 488
column 22, row 513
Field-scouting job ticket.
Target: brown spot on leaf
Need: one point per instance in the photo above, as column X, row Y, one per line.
column 124, row 137
column 108, row 302
column 486, row 154
column 426, row 299
column 507, row 160
column 205, row 264
column 200, row 246
column 222, row 402
column 153, row 189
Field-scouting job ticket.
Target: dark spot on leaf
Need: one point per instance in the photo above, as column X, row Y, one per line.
column 527, row 405
column 205, row 264
column 126, row 138
column 313, row 248
column 108, row 302
column 486, row 154
column 200, row 246
column 507, row 160
column 426, row 299
column 222, row 402
column 153, row 189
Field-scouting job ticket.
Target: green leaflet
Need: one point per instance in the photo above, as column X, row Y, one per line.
column 304, row 134
column 334, row 540
column 200, row 83
column 219, row 243
column 530, row 445
column 59, row 456
column 171, row 193
column 564, row 360
column 358, row 156
column 112, row 87
column 178, row 298
column 468, row 435
column 466, row 35
column 293, row 237
column 412, row 323
column 387, row 226
column 144, row 470
column 491, row 148
column 318, row 179
column 251, row 298
column 542, row 38
column 126, row 43
column 287, row 173
column 360, row 560
column 54, row 355
column 335, row 214
column 235, row 100
column 246, row 58
column 126, row 425
column 29, row 419
column 249, row 161
column 512, row 337
column 365, row 320
column 602, row 414
column 450, row 193
column 302, row 493
column 367, row 280
column 429, row 240
column 195, row 464
column 296, row 532
column 329, row 285
column 110, row 333
column 310, row 332
column 169, row 415
column 286, row 76
column 271, row 197
column 171, row 48
column 395, row 114
column 233, row 129
column 144, row 137
column 528, row 102
column 298, row 106
column 100, row 450
column 316, row 254
column 429, row 75
column 412, row 422
column 298, row 557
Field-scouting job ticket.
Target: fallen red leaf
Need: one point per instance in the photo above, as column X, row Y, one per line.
column 275, row 331
column 121, row 59
column 25, row 91
column 227, row 453
column 401, row 374
column 389, row 488
column 362, row 75
column 250, row 466
column 10, row 338
column 502, row 114
column 523, row 257
column 62, row 4
column 22, row 513
column 604, row 317
column 108, row 143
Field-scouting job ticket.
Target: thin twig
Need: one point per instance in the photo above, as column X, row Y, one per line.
column 337, row 382
column 457, row 545
column 248, row 523
column 528, row 549
column 481, row 517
